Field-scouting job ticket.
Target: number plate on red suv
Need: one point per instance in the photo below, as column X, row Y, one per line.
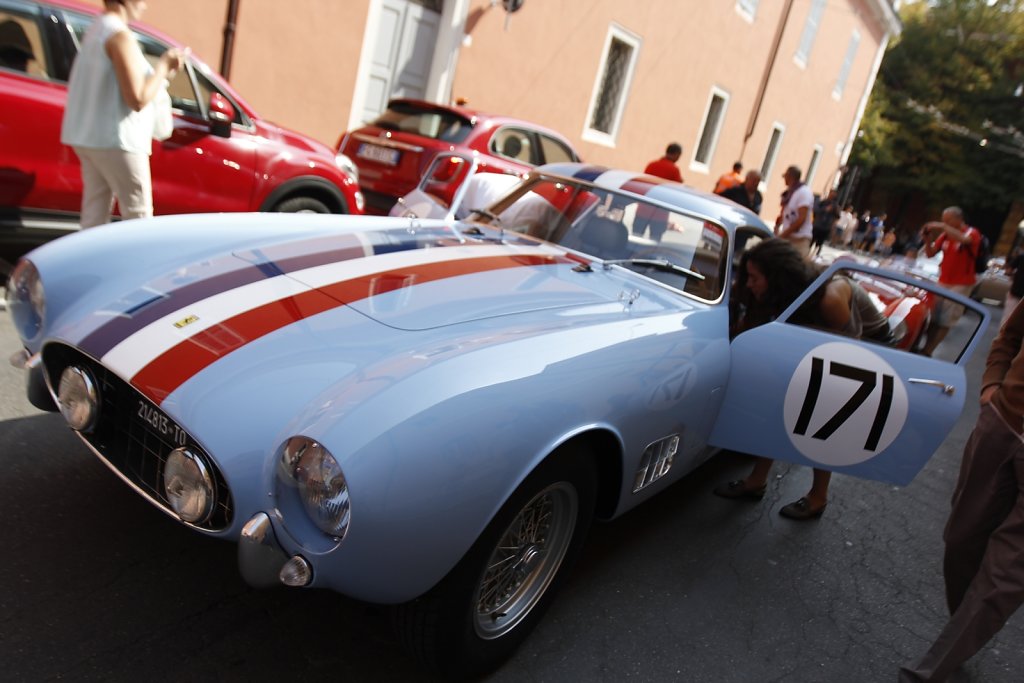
column 377, row 153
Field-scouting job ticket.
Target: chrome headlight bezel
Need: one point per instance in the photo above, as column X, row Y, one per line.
column 320, row 483
column 78, row 398
column 26, row 299
column 188, row 486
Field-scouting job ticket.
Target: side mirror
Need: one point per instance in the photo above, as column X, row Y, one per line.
column 221, row 115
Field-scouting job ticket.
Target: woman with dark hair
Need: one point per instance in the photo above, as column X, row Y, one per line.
column 771, row 276
column 107, row 118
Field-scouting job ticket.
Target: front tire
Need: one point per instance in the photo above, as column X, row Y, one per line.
column 476, row 617
column 302, row 205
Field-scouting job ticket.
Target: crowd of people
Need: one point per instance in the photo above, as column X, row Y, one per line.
column 807, row 220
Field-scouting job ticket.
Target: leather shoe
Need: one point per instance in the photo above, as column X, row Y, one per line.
column 737, row 490
column 801, row 509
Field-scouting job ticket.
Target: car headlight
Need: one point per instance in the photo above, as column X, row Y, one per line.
column 346, row 164
column 78, row 399
column 26, row 299
column 321, row 483
column 188, row 486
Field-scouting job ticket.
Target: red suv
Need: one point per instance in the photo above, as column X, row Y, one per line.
column 221, row 157
column 393, row 151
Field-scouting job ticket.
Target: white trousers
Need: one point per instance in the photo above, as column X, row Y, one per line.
column 113, row 173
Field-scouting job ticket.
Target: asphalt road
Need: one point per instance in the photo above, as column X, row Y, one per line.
column 97, row 585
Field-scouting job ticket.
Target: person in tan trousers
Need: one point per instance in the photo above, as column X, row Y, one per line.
column 984, row 536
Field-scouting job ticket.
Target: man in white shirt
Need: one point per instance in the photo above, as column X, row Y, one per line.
column 845, row 227
column 794, row 223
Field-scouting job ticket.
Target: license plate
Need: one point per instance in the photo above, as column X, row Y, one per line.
column 384, row 155
column 161, row 424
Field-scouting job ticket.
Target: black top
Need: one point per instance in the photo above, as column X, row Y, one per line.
column 738, row 194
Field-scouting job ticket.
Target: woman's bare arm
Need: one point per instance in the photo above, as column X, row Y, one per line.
column 835, row 304
column 138, row 89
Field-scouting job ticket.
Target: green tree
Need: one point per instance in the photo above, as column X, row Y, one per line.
column 946, row 117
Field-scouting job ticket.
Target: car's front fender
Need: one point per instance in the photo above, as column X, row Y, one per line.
column 433, row 441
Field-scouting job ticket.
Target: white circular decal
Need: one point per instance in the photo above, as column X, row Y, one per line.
column 844, row 404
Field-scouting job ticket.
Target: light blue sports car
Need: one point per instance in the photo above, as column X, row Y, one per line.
column 429, row 413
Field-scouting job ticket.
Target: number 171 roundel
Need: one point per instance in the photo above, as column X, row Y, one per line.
column 844, row 405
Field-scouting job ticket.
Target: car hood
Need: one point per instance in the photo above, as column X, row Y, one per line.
column 407, row 276
column 292, row 139
column 423, row 289
column 431, row 275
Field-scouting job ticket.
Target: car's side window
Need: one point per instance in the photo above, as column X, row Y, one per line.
column 78, row 23
column 207, row 88
column 554, row 151
column 513, row 143
column 21, row 45
column 882, row 310
column 746, row 239
column 183, row 95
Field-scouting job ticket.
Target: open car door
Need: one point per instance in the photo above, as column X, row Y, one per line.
column 441, row 187
column 875, row 411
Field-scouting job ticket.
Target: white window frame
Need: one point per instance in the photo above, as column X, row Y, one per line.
column 810, row 33
column 704, row 166
column 813, row 164
column 768, row 164
column 615, row 32
column 747, row 9
column 847, row 67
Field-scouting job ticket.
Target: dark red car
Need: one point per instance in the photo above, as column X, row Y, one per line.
column 221, row 157
column 393, row 151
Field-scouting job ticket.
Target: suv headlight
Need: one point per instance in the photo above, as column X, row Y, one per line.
column 321, row 484
column 345, row 164
column 26, row 299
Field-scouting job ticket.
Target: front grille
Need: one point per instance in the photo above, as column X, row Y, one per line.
column 128, row 441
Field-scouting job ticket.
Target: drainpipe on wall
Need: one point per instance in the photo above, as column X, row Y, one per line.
column 228, row 48
column 763, row 86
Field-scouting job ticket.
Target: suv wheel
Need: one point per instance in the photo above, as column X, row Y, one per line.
column 302, row 205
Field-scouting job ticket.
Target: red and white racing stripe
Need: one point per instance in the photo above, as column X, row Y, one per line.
column 164, row 354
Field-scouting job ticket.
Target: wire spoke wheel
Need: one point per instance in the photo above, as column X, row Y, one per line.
column 525, row 560
column 486, row 606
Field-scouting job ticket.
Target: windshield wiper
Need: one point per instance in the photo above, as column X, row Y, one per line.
column 657, row 264
column 493, row 217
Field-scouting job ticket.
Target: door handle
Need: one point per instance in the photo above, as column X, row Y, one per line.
column 947, row 389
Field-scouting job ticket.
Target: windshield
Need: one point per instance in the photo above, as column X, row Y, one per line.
column 430, row 123
column 611, row 226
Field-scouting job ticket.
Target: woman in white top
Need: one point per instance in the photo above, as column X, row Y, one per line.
column 108, row 120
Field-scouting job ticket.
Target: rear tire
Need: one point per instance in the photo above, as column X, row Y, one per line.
column 476, row 617
column 302, row 205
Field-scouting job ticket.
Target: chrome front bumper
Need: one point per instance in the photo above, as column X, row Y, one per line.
column 262, row 561
column 35, row 383
column 260, row 556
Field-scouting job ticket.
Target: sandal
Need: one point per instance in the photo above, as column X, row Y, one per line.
column 801, row 509
column 737, row 490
